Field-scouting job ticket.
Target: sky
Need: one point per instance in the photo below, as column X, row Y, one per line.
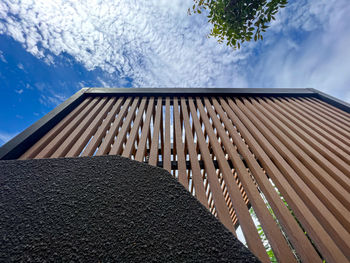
column 49, row 49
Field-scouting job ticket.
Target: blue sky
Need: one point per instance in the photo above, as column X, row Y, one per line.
column 50, row 49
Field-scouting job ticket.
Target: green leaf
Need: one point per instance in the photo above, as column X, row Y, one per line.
column 235, row 21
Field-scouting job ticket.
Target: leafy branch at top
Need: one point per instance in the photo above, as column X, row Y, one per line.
column 237, row 21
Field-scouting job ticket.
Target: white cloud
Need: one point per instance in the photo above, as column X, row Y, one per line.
column 320, row 59
column 155, row 43
column 52, row 100
column 19, row 91
column 2, row 58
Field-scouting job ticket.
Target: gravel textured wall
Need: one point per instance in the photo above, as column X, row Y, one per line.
column 105, row 209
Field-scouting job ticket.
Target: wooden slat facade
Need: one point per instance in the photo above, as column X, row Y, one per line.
column 286, row 158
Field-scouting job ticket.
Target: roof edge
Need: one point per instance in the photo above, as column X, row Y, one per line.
column 177, row 90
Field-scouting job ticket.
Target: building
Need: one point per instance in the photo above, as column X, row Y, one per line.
column 279, row 158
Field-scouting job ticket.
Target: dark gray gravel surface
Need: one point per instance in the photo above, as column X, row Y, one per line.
column 105, row 209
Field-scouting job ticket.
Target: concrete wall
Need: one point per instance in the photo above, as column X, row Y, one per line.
column 106, row 209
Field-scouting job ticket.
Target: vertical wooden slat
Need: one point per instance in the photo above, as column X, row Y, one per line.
column 220, row 204
column 130, row 144
column 250, row 232
column 141, row 147
column 327, row 115
column 273, row 233
column 112, row 132
column 181, row 161
column 311, row 130
column 38, row 146
column 307, row 169
column 318, row 127
column 297, row 237
column 196, row 172
column 154, row 151
column 161, row 131
column 330, row 223
column 100, row 133
column 335, row 110
column 174, row 154
column 290, row 151
column 264, row 150
column 305, row 152
column 118, row 143
column 83, row 139
column 332, row 129
column 150, row 134
column 67, row 144
column 329, row 160
column 57, row 141
column 167, row 140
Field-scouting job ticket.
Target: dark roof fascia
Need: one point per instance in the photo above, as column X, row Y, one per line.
column 14, row 148
column 197, row 91
column 331, row 100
